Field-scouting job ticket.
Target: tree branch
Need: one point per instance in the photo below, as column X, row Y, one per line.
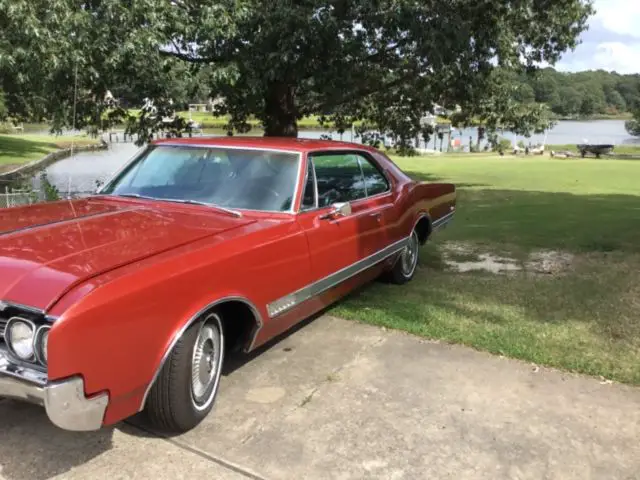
column 187, row 57
column 365, row 92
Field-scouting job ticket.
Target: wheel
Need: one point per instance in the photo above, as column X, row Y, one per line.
column 404, row 268
column 186, row 388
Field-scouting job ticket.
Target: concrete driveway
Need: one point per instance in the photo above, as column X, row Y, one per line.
column 341, row 400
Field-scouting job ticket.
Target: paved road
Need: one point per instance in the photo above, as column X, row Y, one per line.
column 341, row 400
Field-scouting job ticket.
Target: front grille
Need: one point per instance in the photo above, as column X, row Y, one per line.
column 3, row 324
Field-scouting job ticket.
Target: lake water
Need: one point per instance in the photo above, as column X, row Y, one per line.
column 80, row 172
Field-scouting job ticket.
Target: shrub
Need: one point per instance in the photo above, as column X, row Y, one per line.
column 504, row 145
column 633, row 127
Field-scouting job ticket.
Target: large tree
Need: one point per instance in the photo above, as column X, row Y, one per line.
column 384, row 62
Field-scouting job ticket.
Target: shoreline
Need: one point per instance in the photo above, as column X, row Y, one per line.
column 9, row 177
column 213, row 123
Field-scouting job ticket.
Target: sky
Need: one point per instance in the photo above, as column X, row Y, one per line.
column 612, row 41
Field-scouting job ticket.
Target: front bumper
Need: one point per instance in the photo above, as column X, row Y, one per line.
column 64, row 401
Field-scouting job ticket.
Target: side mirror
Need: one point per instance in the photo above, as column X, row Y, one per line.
column 338, row 210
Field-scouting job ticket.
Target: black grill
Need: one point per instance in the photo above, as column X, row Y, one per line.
column 3, row 324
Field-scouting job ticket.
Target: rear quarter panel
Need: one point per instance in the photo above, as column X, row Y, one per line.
column 436, row 199
column 415, row 199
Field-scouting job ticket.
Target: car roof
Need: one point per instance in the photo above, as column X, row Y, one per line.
column 274, row 143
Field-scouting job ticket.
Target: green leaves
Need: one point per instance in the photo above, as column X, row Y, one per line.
column 633, row 126
column 383, row 63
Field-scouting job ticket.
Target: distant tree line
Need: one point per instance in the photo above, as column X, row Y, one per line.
column 582, row 94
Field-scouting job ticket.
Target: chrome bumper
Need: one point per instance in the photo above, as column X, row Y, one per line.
column 64, row 401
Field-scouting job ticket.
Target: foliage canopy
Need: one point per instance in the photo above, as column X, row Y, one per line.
column 383, row 62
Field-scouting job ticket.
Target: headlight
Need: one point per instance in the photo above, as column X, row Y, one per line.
column 42, row 341
column 20, row 335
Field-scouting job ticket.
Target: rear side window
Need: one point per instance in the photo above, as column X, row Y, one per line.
column 339, row 178
column 374, row 181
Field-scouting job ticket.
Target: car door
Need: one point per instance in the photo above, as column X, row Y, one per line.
column 380, row 200
column 337, row 243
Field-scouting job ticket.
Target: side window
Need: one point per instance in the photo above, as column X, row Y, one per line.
column 374, row 180
column 309, row 196
column 339, row 178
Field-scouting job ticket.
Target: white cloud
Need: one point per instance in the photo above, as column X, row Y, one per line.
column 619, row 16
column 612, row 41
column 610, row 56
column 623, row 58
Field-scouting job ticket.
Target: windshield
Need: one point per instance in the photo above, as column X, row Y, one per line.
column 225, row 177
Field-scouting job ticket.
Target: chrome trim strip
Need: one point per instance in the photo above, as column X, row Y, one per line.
column 296, row 203
column 316, row 203
column 188, row 323
column 415, row 224
column 283, row 304
column 442, row 221
column 222, row 145
column 4, row 304
column 420, row 217
column 37, row 344
column 312, row 171
column 360, row 153
column 141, row 151
column 380, row 170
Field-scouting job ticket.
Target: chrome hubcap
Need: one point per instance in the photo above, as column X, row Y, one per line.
column 409, row 257
column 205, row 364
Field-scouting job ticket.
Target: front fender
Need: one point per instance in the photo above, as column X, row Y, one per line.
column 117, row 335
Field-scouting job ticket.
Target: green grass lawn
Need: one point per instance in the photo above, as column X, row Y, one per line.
column 584, row 318
column 16, row 150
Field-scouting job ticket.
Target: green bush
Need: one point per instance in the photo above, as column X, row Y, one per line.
column 633, row 127
column 504, row 145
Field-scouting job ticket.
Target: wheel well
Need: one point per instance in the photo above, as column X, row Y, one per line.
column 423, row 227
column 239, row 323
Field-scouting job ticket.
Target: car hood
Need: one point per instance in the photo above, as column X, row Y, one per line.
column 47, row 249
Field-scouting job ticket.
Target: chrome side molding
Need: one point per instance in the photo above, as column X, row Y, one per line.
column 283, row 304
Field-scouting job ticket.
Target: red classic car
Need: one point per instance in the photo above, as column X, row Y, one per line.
column 129, row 299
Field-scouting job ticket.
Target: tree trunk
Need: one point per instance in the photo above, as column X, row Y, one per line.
column 280, row 111
column 480, row 136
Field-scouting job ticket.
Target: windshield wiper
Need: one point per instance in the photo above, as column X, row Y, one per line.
column 230, row 211
column 134, row 195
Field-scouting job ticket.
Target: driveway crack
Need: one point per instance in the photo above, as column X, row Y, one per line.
column 202, row 454
column 330, row 378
